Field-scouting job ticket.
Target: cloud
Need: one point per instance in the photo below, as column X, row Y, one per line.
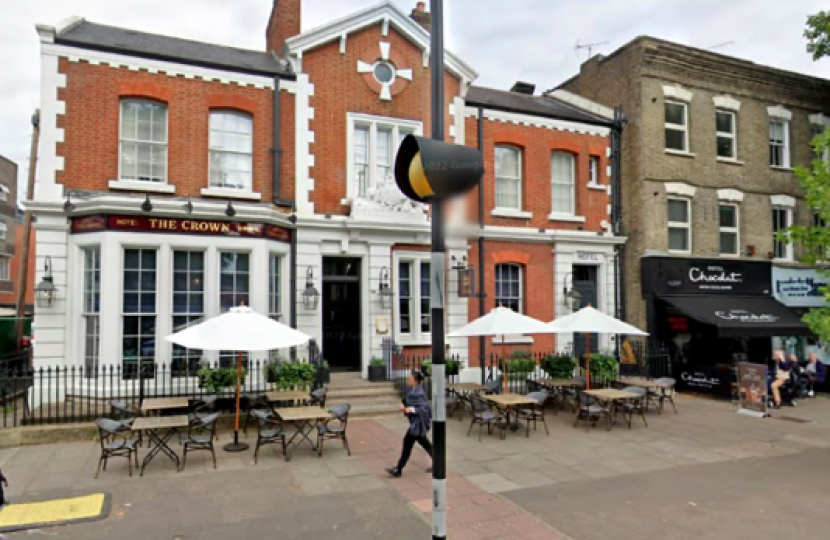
column 504, row 40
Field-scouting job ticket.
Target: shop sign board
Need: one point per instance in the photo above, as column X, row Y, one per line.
column 203, row 227
column 799, row 287
column 669, row 275
column 752, row 387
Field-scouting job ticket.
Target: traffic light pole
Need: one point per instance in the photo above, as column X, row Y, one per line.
column 438, row 269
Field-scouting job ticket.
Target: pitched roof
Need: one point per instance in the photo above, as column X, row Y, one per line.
column 101, row 37
column 545, row 106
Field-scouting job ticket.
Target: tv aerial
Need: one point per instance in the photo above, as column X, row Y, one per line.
column 588, row 46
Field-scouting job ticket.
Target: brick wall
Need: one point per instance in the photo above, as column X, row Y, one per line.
column 10, row 298
column 92, row 97
column 339, row 89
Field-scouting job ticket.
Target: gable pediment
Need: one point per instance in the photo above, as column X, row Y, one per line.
column 389, row 16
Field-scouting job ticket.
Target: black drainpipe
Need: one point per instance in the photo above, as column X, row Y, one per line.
column 616, row 217
column 292, row 279
column 481, row 311
column 277, row 149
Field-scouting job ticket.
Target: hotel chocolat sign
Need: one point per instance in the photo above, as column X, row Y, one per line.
column 705, row 276
column 203, row 227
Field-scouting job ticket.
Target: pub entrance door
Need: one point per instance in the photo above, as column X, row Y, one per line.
column 342, row 336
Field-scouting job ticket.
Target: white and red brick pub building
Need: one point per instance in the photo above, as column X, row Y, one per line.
column 178, row 179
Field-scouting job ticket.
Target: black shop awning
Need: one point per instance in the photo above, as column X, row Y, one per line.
column 735, row 316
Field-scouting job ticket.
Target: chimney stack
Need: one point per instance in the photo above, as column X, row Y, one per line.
column 521, row 87
column 284, row 23
column 421, row 16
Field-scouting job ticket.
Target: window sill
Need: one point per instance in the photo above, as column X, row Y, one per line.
column 553, row 216
column 598, row 187
column 729, row 161
column 513, row 340
column 231, row 194
column 406, row 341
column 677, row 252
column 510, row 213
column 139, row 185
column 782, row 169
column 790, row 260
column 680, row 153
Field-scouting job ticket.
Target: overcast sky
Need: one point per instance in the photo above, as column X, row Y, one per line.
column 504, row 40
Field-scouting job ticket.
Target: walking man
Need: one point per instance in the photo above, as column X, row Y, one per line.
column 416, row 408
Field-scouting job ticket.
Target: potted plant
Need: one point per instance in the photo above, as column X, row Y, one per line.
column 377, row 370
column 218, row 380
column 323, row 373
column 604, row 368
column 454, row 366
column 559, row 366
column 426, row 368
column 521, row 366
column 291, row 375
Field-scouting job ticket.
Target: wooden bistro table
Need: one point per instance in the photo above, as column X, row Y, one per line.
column 640, row 382
column 276, row 396
column 155, row 405
column 154, row 426
column 612, row 396
column 305, row 420
column 508, row 402
column 558, row 386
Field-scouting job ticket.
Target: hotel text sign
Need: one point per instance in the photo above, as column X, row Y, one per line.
column 179, row 226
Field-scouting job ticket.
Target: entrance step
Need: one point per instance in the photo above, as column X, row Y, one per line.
column 366, row 398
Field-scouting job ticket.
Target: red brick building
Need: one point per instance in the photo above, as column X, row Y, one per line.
column 180, row 178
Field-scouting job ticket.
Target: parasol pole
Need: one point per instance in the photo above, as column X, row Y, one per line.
column 237, row 446
column 504, row 365
column 587, row 361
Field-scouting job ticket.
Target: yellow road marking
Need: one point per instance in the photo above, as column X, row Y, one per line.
column 55, row 511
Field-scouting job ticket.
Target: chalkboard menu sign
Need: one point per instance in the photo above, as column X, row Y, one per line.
column 752, row 387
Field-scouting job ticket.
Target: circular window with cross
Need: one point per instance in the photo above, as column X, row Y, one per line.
column 385, row 75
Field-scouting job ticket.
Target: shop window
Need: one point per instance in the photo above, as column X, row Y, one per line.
column 563, row 178
column 509, row 286
column 729, row 229
column 781, row 221
column 679, row 221
column 779, row 143
column 414, row 312
column 231, row 148
column 725, row 133
column 188, row 307
column 508, row 177
column 373, row 143
column 139, row 313
column 677, row 126
column 143, row 141
column 91, row 309
column 234, row 271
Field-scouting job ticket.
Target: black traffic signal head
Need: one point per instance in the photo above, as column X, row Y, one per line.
column 427, row 169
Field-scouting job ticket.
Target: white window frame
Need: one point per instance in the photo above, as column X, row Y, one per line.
column 139, row 313
column 571, row 184
column 373, row 123
column 680, row 225
column 817, row 129
column 784, row 145
column 519, row 180
column 5, row 268
column 189, row 314
column 228, row 357
column 736, row 230
column 733, row 136
column 4, row 193
column 520, row 298
column 677, row 127
column 275, row 289
column 90, row 312
column 788, row 247
column 593, row 170
column 122, row 139
column 211, row 150
column 4, row 230
column 416, row 335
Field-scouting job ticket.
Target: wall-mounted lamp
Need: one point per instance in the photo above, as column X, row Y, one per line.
column 572, row 297
column 147, row 206
column 45, row 290
column 385, row 289
column 230, row 211
column 68, row 206
column 188, row 206
column 311, row 295
column 466, row 277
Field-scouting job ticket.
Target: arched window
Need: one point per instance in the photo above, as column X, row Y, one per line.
column 143, row 141
column 563, row 183
column 509, row 286
column 231, row 149
column 508, row 177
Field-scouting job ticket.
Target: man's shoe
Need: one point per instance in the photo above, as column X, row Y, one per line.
column 394, row 472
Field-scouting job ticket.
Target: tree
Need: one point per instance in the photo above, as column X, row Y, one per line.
column 815, row 238
column 818, row 34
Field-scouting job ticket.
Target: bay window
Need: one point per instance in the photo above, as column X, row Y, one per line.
column 188, row 307
column 234, row 269
column 138, row 342
column 91, row 309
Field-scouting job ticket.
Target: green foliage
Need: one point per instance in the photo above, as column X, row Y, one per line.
column 376, row 362
column 287, row 375
column 521, row 365
column 216, row 381
column 818, row 34
column 814, row 239
column 604, row 367
column 454, row 366
column 426, row 368
column 517, row 354
column 559, row 366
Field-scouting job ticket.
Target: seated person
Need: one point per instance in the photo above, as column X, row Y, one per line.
column 816, row 372
column 782, row 376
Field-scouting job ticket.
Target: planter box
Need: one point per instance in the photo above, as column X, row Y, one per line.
column 377, row 373
column 323, row 376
